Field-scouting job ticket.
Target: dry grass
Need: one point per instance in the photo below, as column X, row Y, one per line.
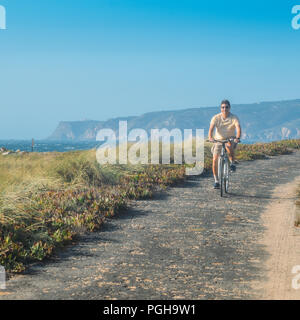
column 46, row 199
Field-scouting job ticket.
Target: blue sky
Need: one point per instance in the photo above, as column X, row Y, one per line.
column 97, row 59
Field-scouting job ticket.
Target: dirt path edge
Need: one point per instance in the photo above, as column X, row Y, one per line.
column 282, row 241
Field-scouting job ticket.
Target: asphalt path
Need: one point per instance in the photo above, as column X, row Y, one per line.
column 185, row 243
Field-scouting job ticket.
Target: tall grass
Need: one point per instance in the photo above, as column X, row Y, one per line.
column 47, row 199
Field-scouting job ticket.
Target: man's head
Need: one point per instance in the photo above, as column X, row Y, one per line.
column 225, row 107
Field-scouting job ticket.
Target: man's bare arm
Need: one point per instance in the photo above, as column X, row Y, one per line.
column 210, row 132
column 238, row 131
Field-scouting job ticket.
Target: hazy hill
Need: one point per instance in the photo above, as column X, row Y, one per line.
column 263, row 121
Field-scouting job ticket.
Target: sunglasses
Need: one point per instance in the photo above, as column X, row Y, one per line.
column 227, row 107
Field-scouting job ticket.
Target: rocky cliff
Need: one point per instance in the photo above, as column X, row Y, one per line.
column 265, row 121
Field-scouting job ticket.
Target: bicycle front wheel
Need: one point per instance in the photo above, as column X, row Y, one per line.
column 221, row 174
column 226, row 176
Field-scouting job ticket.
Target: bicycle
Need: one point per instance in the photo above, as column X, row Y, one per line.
column 223, row 166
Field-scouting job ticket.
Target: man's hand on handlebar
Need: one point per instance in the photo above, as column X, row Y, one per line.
column 233, row 139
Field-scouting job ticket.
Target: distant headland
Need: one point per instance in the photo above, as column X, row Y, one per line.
column 264, row 121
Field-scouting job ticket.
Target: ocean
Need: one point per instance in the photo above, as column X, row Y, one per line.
column 47, row 146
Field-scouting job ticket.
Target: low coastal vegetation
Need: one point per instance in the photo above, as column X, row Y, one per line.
column 48, row 199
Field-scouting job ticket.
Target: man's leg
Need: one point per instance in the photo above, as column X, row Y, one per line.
column 216, row 151
column 230, row 147
column 215, row 167
column 230, row 150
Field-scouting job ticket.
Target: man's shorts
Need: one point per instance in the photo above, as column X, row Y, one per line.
column 217, row 148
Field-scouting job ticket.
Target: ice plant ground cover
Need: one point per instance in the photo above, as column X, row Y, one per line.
column 48, row 199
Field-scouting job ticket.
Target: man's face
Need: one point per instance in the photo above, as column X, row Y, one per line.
column 225, row 109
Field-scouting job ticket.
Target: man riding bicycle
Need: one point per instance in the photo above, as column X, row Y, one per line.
column 226, row 125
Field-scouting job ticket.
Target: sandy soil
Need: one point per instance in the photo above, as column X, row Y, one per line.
column 282, row 241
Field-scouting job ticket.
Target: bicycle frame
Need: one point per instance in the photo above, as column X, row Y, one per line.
column 223, row 167
column 223, row 170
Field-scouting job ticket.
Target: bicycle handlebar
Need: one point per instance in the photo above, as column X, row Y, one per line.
column 224, row 141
